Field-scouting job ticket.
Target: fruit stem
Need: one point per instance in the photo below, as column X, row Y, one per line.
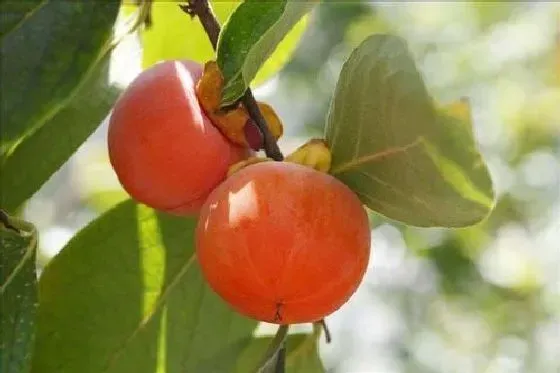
column 203, row 10
column 326, row 330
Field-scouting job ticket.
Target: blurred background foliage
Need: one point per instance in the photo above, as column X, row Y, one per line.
column 480, row 299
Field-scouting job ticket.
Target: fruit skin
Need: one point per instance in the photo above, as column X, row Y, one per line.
column 283, row 243
column 165, row 151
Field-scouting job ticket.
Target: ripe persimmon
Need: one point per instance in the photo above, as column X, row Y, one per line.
column 166, row 153
column 283, row 243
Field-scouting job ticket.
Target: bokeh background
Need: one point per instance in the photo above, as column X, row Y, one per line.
column 480, row 299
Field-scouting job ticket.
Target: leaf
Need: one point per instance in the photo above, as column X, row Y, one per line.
column 104, row 200
column 126, row 295
column 404, row 158
column 174, row 35
column 18, row 290
column 14, row 13
column 249, row 37
column 44, row 151
column 302, row 354
column 46, row 59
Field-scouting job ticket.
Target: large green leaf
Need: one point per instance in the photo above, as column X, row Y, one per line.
column 126, row 295
column 41, row 153
column 403, row 157
column 249, row 38
column 46, row 58
column 18, row 291
column 173, row 35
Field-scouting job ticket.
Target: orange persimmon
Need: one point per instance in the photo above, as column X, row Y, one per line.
column 283, row 243
column 165, row 151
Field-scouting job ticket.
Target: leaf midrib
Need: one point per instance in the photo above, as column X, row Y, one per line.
column 357, row 162
column 24, row 18
column 28, row 252
column 109, row 44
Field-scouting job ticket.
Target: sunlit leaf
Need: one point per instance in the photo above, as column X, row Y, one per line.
column 175, row 35
column 403, row 157
column 249, row 38
column 126, row 295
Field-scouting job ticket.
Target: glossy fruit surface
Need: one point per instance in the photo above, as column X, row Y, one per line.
column 164, row 150
column 283, row 243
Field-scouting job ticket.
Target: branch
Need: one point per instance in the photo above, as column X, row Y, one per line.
column 202, row 10
column 5, row 219
column 281, row 360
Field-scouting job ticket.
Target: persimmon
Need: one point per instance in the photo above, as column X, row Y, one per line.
column 165, row 151
column 283, row 243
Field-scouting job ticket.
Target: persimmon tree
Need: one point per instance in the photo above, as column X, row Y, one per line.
column 215, row 236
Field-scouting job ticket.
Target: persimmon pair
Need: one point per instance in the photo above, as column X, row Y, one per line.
column 281, row 242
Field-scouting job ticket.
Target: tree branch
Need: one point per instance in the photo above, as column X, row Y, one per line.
column 203, row 10
column 280, row 366
column 5, row 219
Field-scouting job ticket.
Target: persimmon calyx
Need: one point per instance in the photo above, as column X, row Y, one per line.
column 234, row 122
column 247, row 162
column 315, row 154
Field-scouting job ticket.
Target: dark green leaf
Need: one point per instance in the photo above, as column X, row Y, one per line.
column 46, row 59
column 18, row 291
column 249, row 37
column 41, row 153
column 126, row 295
column 14, row 13
column 403, row 157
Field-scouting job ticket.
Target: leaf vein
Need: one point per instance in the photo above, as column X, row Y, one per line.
column 157, row 305
column 28, row 252
column 375, row 156
column 26, row 16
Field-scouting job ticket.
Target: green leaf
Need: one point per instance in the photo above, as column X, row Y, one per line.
column 403, row 157
column 302, row 354
column 46, row 59
column 14, row 13
column 250, row 36
column 44, row 151
column 174, row 35
column 18, row 291
column 126, row 295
